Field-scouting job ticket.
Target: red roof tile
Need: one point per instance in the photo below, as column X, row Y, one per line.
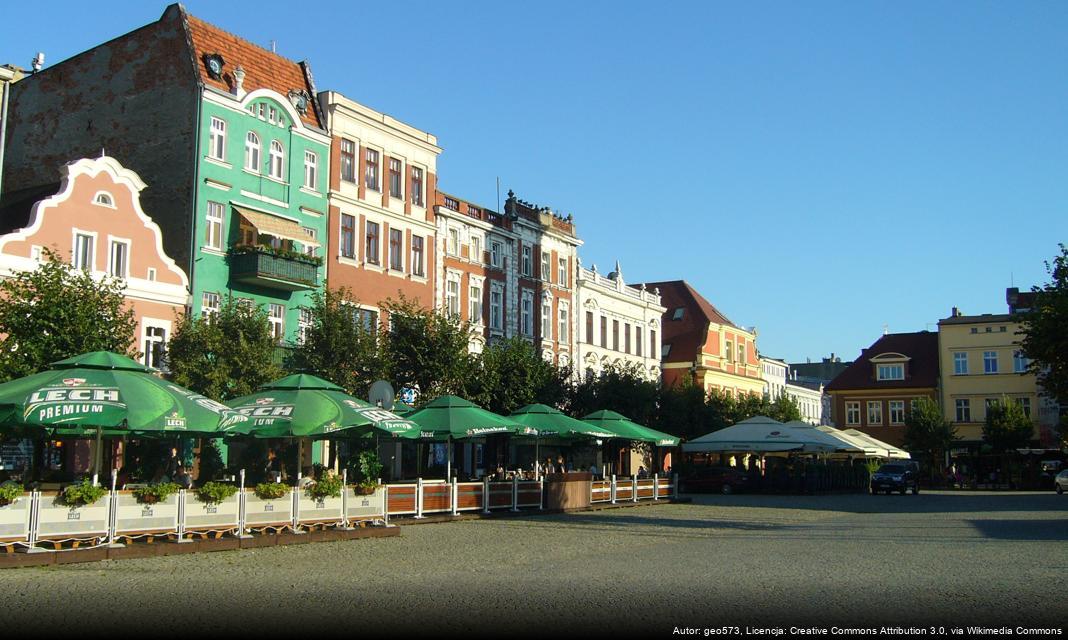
column 263, row 69
column 688, row 335
column 920, row 347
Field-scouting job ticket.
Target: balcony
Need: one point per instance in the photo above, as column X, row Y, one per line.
column 276, row 270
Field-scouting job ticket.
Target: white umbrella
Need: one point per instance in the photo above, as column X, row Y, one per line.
column 759, row 434
column 841, row 445
column 891, row 450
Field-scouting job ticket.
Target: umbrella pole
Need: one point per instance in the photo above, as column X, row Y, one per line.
column 300, row 457
column 448, row 459
column 96, row 456
column 537, row 464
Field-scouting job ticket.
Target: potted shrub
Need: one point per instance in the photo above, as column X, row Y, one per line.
column 271, row 490
column 328, row 486
column 365, row 487
column 214, row 492
column 370, row 470
column 82, row 494
column 9, row 493
column 154, row 493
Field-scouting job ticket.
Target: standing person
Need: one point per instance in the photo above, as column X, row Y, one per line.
column 560, row 464
column 172, row 466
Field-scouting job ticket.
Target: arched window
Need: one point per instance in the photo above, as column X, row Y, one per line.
column 104, row 199
column 252, row 152
column 277, row 159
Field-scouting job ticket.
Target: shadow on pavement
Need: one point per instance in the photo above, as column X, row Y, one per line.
column 925, row 502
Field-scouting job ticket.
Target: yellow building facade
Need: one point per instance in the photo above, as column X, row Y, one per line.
column 981, row 362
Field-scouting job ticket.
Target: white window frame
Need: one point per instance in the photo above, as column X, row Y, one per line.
column 277, row 156
column 112, row 243
column 355, row 246
column 496, row 249
column 528, row 260
column 875, row 412
column 852, row 410
column 475, row 292
column 253, row 152
column 311, row 170
column 147, row 341
column 452, row 241
column 496, row 317
column 452, row 294
column 1019, row 362
column 104, row 199
column 476, row 249
column 564, row 316
column 546, row 267
column 77, row 257
column 890, row 371
column 305, row 321
column 897, row 412
column 210, row 310
column 990, row 362
column 355, row 156
column 377, row 244
column 547, row 318
column 217, row 139
column 526, row 313
column 962, row 410
column 419, row 259
column 215, row 225
column 400, row 250
column 278, row 322
column 960, row 363
column 562, row 271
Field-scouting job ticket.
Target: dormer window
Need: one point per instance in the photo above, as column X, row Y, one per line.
column 890, row 372
column 104, row 199
column 679, row 311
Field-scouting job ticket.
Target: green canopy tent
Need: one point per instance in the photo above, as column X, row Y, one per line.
column 102, row 393
column 549, row 423
column 627, row 429
column 305, row 406
column 454, row 418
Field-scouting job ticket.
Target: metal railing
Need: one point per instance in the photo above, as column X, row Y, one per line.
column 632, row 489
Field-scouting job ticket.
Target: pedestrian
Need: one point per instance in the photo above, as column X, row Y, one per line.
column 560, row 468
column 172, row 466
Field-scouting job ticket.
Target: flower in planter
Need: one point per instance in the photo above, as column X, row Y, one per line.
column 271, row 490
column 328, row 486
column 9, row 493
column 214, row 492
column 81, row 495
column 154, row 493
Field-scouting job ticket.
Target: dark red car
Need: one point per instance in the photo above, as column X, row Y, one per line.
column 718, row 479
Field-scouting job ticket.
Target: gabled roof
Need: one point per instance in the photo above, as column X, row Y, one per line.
column 921, row 348
column 679, row 293
column 263, row 69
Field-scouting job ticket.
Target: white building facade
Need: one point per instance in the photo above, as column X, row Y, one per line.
column 815, row 407
column 617, row 324
column 773, row 373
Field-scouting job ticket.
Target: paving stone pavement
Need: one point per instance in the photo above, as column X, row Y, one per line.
column 940, row 558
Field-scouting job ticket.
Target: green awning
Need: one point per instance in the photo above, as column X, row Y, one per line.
column 627, row 429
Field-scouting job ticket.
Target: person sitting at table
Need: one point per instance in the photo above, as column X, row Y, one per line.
column 642, row 473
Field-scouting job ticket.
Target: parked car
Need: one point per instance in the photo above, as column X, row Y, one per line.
column 719, row 479
column 1060, row 483
column 896, row 476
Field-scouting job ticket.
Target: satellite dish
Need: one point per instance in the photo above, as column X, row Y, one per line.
column 381, row 394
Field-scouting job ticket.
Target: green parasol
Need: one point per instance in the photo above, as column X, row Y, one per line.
column 105, row 393
column 452, row 417
column 551, row 423
column 626, row 429
column 303, row 405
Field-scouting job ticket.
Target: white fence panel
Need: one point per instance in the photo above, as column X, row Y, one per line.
column 15, row 521
column 60, row 523
column 135, row 519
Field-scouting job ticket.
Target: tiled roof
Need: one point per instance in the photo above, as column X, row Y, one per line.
column 263, row 69
column 922, row 350
column 986, row 317
column 687, row 335
column 685, row 296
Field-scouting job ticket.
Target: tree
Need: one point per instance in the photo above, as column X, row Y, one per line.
column 57, row 311
column 510, row 374
column 785, row 408
column 227, row 355
column 337, row 346
column 1045, row 330
column 928, row 432
column 427, row 349
column 1007, row 427
column 621, row 388
column 685, row 411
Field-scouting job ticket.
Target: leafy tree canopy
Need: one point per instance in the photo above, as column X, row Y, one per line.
column 510, row 374
column 1045, row 329
column 1007, row 426
column 926, row 430
column 57, row 311
column 427, row 349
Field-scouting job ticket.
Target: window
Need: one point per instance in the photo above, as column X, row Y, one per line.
column 304, row 324
column 348, row 236
column 474, row 304
column 277, row 160
column 252, row 152
column 964, row 410
column 564, row 323
column 495, row 253
column 476, row 249
column 104, row 199
column 151, row 274
column 897, row 412
column 604, row 332
column 626, row 337
column 452, row 297
column 526, row 313
column 348, row 160
column 217, row 143
column 452, row 247
column 417, row 256
column 214, row 232
column 730, row 351
column 546, row 320
column 313, row 234
column 83, row 251
column 679, row 312
column 371, row 246
column 912, row 405
column 118, row 258
column 155, row 341
column 417, row 186
column 875, row 412
column 741, row 353
column 527, row 266
column 396, row 249
column 990, row 362
column 368, row 319
column 546, row 273
column 562, row 272
column 852, row 413
column 1025, row 404
column 1019, row 362
column 276, row 314
column 396, row 185
column 960, row 363
column 615, row 335
column 311, row 164
column 370, row 169
column 496, row 302
column 589, row 327
column 637, row 340
column 890, row 372
column 209, row 304
column 652, row 343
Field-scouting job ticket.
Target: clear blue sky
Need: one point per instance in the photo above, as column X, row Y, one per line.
column 816, row 169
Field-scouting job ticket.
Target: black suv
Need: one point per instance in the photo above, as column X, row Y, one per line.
column 895, row 476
